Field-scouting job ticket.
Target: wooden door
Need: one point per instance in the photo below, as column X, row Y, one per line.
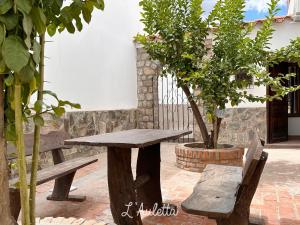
column 277, row 111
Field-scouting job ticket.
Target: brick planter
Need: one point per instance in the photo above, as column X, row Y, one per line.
column 193, row 157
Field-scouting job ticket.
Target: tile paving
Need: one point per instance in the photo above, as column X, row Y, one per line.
column 276, row 202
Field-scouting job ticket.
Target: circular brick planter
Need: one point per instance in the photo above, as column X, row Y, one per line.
column 193, row 157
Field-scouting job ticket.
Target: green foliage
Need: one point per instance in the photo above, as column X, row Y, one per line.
column 233, row 52
column 290, row 53
column 175, row 34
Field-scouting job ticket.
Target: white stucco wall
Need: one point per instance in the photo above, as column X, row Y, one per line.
column 294, row 126
column 283, row 34
column 97, row 67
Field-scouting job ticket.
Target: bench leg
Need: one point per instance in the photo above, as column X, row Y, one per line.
column 62, row 189
column 62, row 185
column 15, row 203
column 122, row 193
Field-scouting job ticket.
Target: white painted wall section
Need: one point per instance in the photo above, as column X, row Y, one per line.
column 294, row 126
column 97, row 67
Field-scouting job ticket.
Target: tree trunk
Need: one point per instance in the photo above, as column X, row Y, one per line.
column 37, row 132
column 5, row 215
column 198, row 116
column 21, row 161
column 216, row 131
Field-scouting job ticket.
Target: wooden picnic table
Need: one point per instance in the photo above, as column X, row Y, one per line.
column 126, row 194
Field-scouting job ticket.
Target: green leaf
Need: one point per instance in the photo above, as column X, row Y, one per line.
column 47, row 92
column 2, row 33
column 27, row 73
column 14, row 53
column 38, row 120
column 99, row 4
column 73, row 105
column 10, row 20
column 3, row 68
column 24, row 6
column 9, row 80
column 51, row 29
column 66, row 15
column 38, row 106
column 86, row 14
column 59, row 111
column 61, row 28
column 27, row 24
column 36, row 52
column 39, row 20
column 5, row 5
column 70, row 28
column 78, row 23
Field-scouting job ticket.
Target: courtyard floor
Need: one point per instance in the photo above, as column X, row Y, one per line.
column 277, row 200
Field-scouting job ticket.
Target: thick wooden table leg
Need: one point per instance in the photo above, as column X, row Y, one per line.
column 62, row 185
column 149, row 195
column 121, row 187
column 148, row 164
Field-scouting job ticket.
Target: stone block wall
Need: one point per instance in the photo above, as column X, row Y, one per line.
column 147, row 88
column 237, row 123
column 83, row 123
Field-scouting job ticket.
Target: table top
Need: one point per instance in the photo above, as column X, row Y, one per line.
column 49, row 142
column 136, row 138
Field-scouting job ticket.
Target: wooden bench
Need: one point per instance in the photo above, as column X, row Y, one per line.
column 224, row 193
column 62, row 171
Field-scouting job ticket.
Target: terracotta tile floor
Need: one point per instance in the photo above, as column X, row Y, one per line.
column 277, row 200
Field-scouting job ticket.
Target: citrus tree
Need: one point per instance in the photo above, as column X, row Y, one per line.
column 175, row 34
column 23, row 26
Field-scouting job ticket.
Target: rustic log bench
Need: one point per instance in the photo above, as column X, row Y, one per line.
column 62, row 171
column 224, row 193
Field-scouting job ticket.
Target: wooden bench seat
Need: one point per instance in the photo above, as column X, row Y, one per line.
column 58, row 170
column 62, row 171
column 224, row 193
column 216, row 191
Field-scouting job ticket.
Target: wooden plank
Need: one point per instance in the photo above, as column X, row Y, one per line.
column 58, row 170
column 49, row 142
column 216, row 192
column 136, row 138
column 253, row 156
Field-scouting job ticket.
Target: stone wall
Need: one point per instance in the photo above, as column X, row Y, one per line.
column 83, row 123
column 237, row 123
column 147, row 87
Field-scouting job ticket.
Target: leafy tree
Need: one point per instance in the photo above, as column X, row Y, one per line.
column 23, row 25
column 175, row 34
